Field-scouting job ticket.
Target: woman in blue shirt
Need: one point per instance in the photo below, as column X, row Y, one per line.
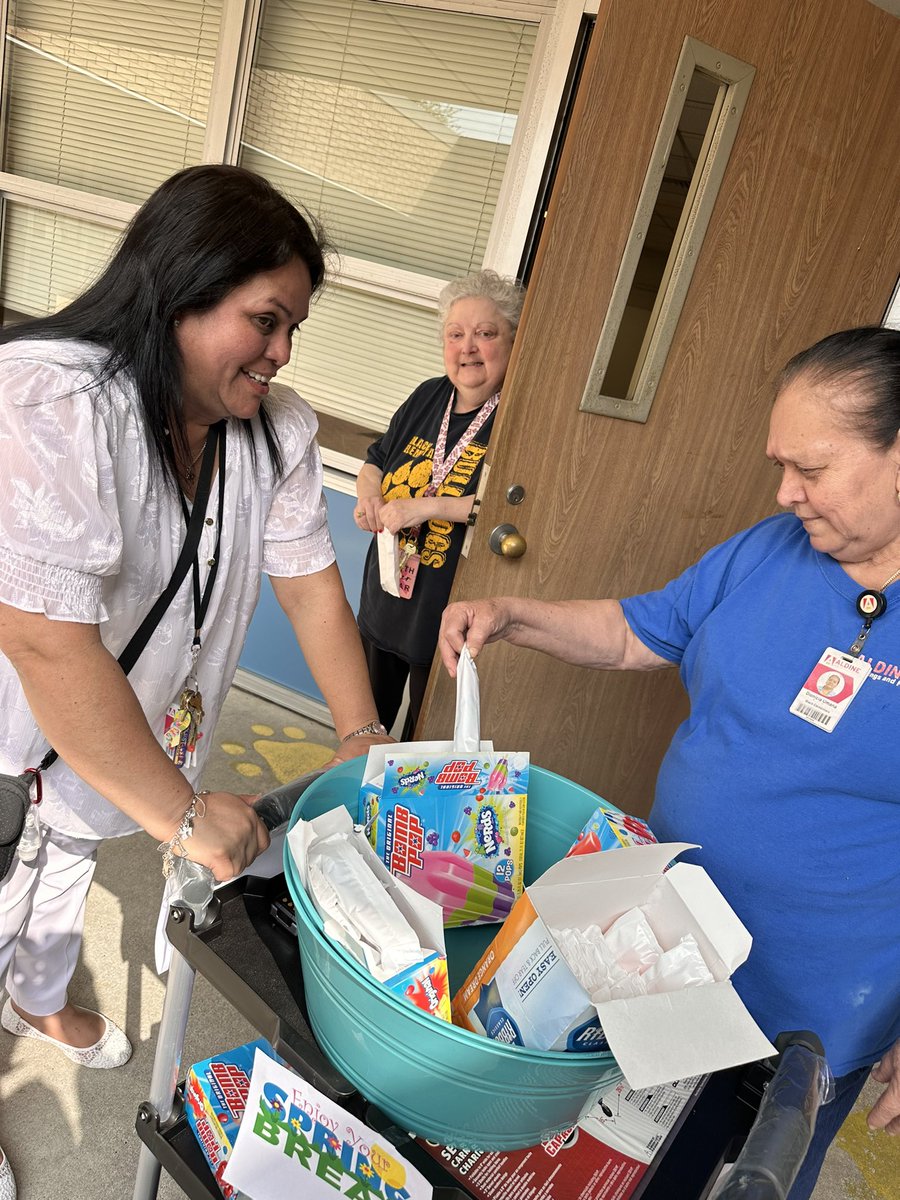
column 822, row 905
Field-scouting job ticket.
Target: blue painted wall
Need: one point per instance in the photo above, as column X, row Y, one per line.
column 271, row 649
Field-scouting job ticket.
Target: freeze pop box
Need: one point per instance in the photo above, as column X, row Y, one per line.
column 608, row 829
column 215, row 1096
column 451, row 825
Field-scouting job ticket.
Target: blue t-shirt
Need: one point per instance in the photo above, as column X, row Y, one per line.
column 800, row 828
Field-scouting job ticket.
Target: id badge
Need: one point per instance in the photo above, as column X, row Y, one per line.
column 408, row 572
column 832, row 686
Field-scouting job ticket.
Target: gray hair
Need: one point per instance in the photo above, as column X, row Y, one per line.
column 506, row 294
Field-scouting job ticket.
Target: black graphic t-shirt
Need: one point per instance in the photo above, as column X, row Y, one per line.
column 409, row 628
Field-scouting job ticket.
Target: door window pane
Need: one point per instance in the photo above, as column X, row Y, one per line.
column 701, row 107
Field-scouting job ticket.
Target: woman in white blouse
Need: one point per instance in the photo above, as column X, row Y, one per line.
column 105, row 411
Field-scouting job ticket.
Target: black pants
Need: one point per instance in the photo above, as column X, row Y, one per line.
column 388, row 674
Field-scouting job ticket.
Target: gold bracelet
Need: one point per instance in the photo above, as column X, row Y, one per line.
column 174, row 847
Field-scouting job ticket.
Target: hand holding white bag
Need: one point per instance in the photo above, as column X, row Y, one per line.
column 388, row 561
column 449, row 817
column 466, row 730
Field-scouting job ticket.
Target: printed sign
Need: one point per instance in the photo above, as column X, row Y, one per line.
column 293, row 1141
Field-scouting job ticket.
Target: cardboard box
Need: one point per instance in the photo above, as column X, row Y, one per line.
column 523, row 991
column 215, row 1097
column 608, row 829
column 604, row 1157
column 450, row 824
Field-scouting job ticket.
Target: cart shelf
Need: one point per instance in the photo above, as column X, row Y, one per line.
column 255, row 964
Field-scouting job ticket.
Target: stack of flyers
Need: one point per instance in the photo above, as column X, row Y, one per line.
column 452, row 826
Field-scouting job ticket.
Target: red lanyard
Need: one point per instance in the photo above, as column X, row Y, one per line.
column 441, row 465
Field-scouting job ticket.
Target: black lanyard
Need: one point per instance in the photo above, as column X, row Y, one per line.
column 215, row 442
column 135, row 647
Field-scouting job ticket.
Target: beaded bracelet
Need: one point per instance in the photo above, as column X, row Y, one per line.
column 373, row 729
column 175, row 845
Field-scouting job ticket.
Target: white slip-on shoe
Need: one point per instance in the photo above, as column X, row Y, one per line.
column 112, row 1050
column 7, row 1179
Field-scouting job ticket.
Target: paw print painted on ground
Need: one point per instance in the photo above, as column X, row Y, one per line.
column 286, row 760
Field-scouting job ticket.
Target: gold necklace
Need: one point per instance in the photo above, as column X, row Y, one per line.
column 888, row 582
column 189, row 473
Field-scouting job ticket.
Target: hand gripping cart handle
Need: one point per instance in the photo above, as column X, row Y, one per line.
column 194, row 887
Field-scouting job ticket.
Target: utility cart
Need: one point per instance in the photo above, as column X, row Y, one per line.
column 244, row 949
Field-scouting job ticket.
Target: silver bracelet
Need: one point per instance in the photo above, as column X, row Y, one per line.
column 174, row 847
column 373, row 729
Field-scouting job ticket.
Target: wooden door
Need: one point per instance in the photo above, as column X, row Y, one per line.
column 803, row 240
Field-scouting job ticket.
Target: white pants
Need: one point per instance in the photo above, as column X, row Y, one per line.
column 42, row 906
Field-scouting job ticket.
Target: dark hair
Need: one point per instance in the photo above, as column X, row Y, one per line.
column 867, row 359
column 202, row 233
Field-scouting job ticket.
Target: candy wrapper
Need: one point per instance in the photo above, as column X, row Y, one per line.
column 449, row 819
column 395, row 932
column 425, row 984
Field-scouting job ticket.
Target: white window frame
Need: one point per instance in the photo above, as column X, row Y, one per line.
column 558, row 26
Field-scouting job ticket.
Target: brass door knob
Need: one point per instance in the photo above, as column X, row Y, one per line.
column 506, row 541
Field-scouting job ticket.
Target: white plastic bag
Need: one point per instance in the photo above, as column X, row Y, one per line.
column 388, row 561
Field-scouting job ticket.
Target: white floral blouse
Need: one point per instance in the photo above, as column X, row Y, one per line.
column 89, row 533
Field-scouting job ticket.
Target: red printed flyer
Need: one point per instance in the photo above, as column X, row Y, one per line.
column 579, row 1169
column 603, row 1158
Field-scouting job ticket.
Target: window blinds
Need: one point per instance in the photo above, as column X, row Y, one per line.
column 358, row 356
column 107, row 97
column 391, row 123
column 49, row 259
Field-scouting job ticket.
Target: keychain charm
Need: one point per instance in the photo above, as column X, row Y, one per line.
column 183, row 719
column 30, row 841
column 182, row 728
column 409, row 566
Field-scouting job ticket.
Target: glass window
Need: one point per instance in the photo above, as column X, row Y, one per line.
column 706, row 101
column 358, row 356
column 48, row 259
column 392, row 123
column 108, row 98
column 701, row 107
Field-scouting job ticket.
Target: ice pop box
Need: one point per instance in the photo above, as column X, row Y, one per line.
column 452, row 826
column 608, row 829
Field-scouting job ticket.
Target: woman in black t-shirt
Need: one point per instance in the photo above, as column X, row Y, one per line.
column 419, row 483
